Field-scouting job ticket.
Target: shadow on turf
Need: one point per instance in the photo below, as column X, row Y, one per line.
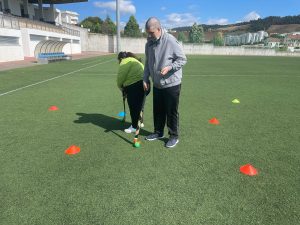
column 110, row 124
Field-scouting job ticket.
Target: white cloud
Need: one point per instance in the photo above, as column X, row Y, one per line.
column 179, row 20
column 122, row 25
column 251, row 16
column 163, row 8
column 126, row 6
column 221, row 21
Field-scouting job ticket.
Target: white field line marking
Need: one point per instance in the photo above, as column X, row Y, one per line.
column 238, row 75
column 53, row 78
column 213, row 75
column 94, row 61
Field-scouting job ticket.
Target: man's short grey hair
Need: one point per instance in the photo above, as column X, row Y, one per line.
column 152, row 23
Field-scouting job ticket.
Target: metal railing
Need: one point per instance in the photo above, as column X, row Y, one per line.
column 71, row 31
column 14, row 22
column 9, row 22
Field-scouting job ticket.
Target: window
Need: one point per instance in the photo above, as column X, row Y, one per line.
column 54, row 39
column 9, row 41
column 66, row 40
column 1, row 9
column 34, row 37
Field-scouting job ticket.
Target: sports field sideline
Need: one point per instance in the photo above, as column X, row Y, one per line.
column 110, row 182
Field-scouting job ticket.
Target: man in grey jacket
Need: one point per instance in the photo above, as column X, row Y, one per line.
column 164, row 61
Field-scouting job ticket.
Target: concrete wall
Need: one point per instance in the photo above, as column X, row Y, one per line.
column 104, row 43
column 136, row 45
column 72, row 48
column 207, row 49
column 84, row 35
column 98, row 42
column 84, row 40
column 10, row 52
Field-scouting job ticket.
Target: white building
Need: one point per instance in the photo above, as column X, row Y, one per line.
column 23, row 27
column 69, row 17
column 273, row 42
column 246, row 39
column 66, row 17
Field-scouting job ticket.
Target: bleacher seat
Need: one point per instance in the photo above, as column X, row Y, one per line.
column 52, row 57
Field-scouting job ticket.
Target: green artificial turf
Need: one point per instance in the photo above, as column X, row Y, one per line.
column 110, row 182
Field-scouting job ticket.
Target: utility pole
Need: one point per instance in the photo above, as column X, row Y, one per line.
column 118, row 25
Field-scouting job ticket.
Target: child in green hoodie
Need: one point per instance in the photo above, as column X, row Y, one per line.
column 130, row 80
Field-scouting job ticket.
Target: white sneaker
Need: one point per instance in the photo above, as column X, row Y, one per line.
column 130, row 130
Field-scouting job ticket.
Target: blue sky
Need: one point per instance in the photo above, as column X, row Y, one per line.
column 175, row 13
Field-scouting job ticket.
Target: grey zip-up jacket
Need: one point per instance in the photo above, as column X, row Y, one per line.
column 161, row 53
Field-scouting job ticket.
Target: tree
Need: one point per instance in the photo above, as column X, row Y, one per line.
column 86, row 24
column 196, row 34
column 258, row 25
column 97, row 28
column 92, row 23
column 93, row 20
column 280, row 36
column 181, row 37
column 108, row 27
column 218, row 39
column 132, row 28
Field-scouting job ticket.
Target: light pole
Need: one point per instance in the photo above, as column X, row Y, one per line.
column 118, row 25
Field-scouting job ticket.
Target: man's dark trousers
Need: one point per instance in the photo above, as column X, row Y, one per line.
column 165, row 107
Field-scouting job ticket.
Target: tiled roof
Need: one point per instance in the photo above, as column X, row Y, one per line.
column 271, row 39
column 294, row 37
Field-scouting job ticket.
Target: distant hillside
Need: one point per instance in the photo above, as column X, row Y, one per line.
column 271, row 24
column 284, row 28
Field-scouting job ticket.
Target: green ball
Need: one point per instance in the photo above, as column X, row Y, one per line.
column 137, row 144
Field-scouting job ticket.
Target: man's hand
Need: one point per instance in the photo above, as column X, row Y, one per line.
column 146, row 86
column 165, row 70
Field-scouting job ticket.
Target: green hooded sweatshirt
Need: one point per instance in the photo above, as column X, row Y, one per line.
column 130, row 71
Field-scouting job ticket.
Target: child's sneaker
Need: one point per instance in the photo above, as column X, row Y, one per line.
column 130, row 130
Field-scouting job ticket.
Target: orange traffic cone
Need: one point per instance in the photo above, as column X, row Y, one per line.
column 72, row 150
column 214, row 121
column 248, row 170
column 53, row 108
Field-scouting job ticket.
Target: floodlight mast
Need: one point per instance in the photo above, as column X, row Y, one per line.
column 118, row 25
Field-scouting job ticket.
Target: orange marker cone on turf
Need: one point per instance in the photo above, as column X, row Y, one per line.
column 53, row 108
column 248, row 170
column 72, row 150
column 214, row 121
